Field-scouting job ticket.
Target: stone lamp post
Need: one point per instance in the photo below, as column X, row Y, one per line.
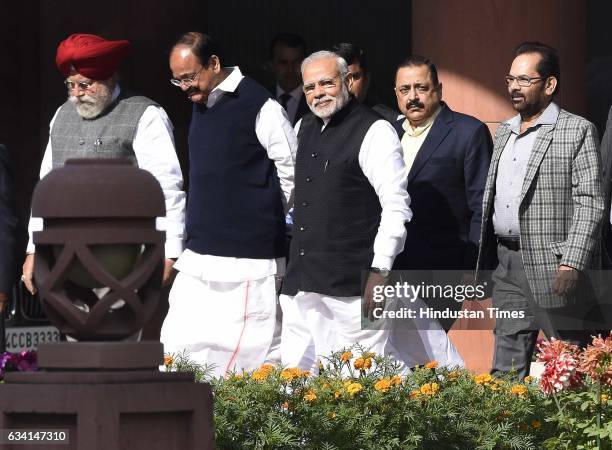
column 98, row 267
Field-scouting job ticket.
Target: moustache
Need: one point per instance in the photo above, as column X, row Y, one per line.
column 192, row 90
column 414, row 104
column 316, row 102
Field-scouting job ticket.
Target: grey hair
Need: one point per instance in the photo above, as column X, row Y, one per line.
column 325, row 54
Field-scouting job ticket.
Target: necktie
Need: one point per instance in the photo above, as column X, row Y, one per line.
column 284, row 98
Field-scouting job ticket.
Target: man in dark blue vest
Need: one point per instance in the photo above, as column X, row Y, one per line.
column 241, row 151
column 350, row 207
column 8, row 223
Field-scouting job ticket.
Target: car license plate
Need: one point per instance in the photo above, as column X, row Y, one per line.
column 28, row 338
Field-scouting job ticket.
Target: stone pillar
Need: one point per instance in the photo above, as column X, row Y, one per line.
column 472, row 43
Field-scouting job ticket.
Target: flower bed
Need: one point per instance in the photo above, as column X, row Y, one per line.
column 360, row 402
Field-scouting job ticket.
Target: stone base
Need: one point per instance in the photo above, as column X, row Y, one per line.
column 123, row 410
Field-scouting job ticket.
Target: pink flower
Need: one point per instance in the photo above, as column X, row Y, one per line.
column 596, row 360
column 560, row 366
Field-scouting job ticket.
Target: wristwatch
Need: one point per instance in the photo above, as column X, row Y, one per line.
column 382, row 272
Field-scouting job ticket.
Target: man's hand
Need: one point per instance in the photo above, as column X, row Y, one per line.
column 3, row 301
column 168, row 272
column 369, row 305
column 566, row 281
column 28, row 273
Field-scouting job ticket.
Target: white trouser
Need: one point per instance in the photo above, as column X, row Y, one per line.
column 316, row 325
column 230, row 325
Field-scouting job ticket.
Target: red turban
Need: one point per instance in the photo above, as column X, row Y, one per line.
column 91, row 56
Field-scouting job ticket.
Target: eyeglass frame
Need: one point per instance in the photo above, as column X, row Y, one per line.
column 310, row 87
column 79, row 85
column 509, row 79
column 187, row 81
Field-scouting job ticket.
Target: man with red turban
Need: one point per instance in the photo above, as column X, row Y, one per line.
column 102, row 120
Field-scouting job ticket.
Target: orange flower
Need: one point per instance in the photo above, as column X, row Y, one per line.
column 346, row 356
column 310, row 396
column 262, row 373
column 292, row 373
column 396, row 380
column 483, row 378
column 453, row 375
column 415, row 394
column 354, row 388
column 382, row 385
column 168, row 360
column 431, row 364
column 528, row 379
column 519, row 389
column 359, row 363
column 536, row 423
column 337, row 394
column 430, row 389
column 596, row 361
column 331, row 415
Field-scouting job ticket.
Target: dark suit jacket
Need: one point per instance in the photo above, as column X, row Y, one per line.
column 446, row 183
column 8, row 222
column 606, row 165
column 301, row 109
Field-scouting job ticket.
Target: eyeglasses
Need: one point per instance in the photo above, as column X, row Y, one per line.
column 186, row 81
column 324, row 83
column 522, row 80
column 79, row 85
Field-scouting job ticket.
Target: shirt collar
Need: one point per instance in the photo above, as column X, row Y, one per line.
column 116, row 92
column 548, row 117
column 414, row 132
column 231, row 82
column 294, row 93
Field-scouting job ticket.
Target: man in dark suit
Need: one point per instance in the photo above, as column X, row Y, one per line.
column 8, row 223
column 358, row 68
column 606, row 162
column 287, row 50
column 447, row 157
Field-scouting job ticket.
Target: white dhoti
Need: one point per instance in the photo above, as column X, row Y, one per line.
column 316, row 325
column 230, row 325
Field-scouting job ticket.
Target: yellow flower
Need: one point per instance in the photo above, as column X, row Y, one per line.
column 493, row 386
column 331, row 415
column 528, row 379
column 310, row 396
column 287, row 375
column 382, row 385
column 263, row 372
column 168, row 360
column 483, row 378
column 346, row 356
column 415, row 394
column 431, row 364
column 358, row 363
column 396, row 380
column 337, row 394
column 536, row 423
column 519, row 389
column 430, row 389
column 453, row 375
column 604, row 398
column 354, row 388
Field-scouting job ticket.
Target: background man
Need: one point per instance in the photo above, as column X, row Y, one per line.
column 102, row 120
column 8, row 224
column 447, row 157
column 606, row 163
column 350, row 207
column 543, row 204
column 287, row 50
column 241, row 148
column 358, row 68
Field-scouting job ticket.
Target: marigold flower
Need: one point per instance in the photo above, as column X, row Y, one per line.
column 483, row 378
column 519, row 389
column 536, row 423
column 415, row 394
column 331, row 415
column 346, row 356
column 337, row 394
column 287, row 375
column 604, row 398
column 310, row 396
column 396, row 380
column 430, row 389
column 359, row 363
column 382, row 385
column 431, row 365
column 528, row 379
column 453, row 375
column 354, row 388
column 168, row 360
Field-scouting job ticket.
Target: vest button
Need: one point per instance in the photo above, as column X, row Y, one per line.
column 309, row 179
column 303, row 228
column 302, row 252
column 314, row 154
column 304, row 203
column 81, row 141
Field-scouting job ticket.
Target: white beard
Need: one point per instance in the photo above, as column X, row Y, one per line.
column 91, row 106
column 337, row 103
